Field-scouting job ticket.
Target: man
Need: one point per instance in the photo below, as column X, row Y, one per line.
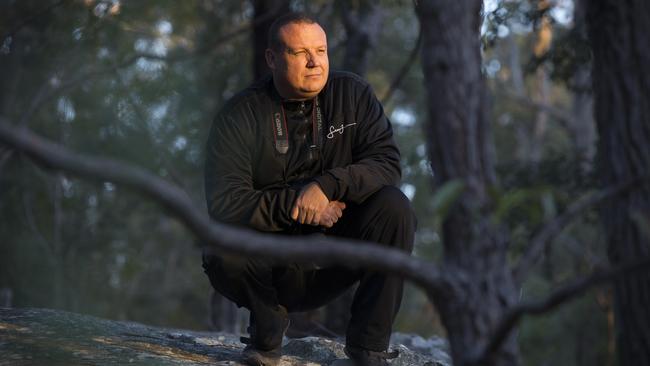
column 306, row 151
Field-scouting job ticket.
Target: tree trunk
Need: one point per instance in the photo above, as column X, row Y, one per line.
column 460, row 148
column 362, row 26
column 582, row 126
column 618, row 31
column 266, row 11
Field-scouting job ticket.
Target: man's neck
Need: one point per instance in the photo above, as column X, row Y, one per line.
column 289, row 97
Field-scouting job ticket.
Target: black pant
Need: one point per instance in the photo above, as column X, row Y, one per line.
column 259, row 284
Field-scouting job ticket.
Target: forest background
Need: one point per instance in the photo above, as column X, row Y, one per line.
column 141, row 81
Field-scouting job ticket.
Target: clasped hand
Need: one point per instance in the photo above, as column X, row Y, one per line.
column 312, row 207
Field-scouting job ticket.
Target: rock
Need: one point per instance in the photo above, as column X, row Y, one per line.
column 53, row 337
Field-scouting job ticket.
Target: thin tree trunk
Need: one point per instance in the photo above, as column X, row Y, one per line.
column 362, row 26
column 582, row 126
column 541, row 116
column 460, row 148
column 618, row 32
column 266, row 11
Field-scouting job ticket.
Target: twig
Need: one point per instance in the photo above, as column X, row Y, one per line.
column 555, row 226
column 562, row 116
column 555, row 299
column 224, row 238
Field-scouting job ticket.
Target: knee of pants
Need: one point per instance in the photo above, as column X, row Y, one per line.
column 395, row 208
column 395, row 205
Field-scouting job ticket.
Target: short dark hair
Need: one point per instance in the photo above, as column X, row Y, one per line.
column 274, row 41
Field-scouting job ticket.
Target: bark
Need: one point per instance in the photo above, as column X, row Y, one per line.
column 460, row 148
column 618, row 33
column 266, row 11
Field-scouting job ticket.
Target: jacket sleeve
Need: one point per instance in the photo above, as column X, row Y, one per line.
column 229, row 189
column 375, row 156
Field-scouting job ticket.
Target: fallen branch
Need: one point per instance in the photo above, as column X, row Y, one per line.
column 558, row 297
column 224, row 238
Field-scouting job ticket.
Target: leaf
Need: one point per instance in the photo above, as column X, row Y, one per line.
column 446, row 196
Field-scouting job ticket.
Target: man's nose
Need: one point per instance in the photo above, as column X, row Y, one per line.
column 312, row 60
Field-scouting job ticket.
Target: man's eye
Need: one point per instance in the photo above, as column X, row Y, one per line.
column 321, row 52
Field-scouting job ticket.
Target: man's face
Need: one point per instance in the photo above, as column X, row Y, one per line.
column 300, row 70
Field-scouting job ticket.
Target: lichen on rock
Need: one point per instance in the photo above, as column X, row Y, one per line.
column 53, row 337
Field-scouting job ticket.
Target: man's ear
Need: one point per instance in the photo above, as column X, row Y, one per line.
column 270, row 58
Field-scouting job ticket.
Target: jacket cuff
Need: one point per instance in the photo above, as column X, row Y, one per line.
column 328, row 186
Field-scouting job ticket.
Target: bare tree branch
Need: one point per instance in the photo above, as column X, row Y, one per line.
column 555, row 226
column 224, row 238
column 556, row 298
column 404, row 70
column 562, row 116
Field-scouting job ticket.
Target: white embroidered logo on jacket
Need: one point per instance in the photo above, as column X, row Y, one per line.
column 338, row 130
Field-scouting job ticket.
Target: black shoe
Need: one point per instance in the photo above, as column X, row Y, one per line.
column 366, row 357
column 264, row 347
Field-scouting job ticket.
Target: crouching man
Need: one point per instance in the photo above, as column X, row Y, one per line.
column 300, row 152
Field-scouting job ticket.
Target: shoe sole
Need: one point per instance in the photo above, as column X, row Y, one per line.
column 257, row 359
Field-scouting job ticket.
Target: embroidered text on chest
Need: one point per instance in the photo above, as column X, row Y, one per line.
column 338, row 130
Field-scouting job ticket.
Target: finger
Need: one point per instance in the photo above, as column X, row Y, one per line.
column 327, row 222
column 334, row 220
column 335, row 211
column 309, row 218
column 302, row 215
column 294, row 212
column 338, row 212
column 315, row 220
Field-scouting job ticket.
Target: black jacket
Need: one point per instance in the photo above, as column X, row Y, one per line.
column 249, row 182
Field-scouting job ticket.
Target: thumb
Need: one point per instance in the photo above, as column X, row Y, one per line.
column 294, row 213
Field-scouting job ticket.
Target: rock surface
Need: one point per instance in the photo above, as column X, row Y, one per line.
column 53, row 338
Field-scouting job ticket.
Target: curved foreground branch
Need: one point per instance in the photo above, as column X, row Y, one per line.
column 556, row 298
column 224, row 238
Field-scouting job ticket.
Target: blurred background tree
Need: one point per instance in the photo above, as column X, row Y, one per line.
column 141, row 82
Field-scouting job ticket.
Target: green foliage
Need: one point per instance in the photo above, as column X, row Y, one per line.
column 445, row 197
